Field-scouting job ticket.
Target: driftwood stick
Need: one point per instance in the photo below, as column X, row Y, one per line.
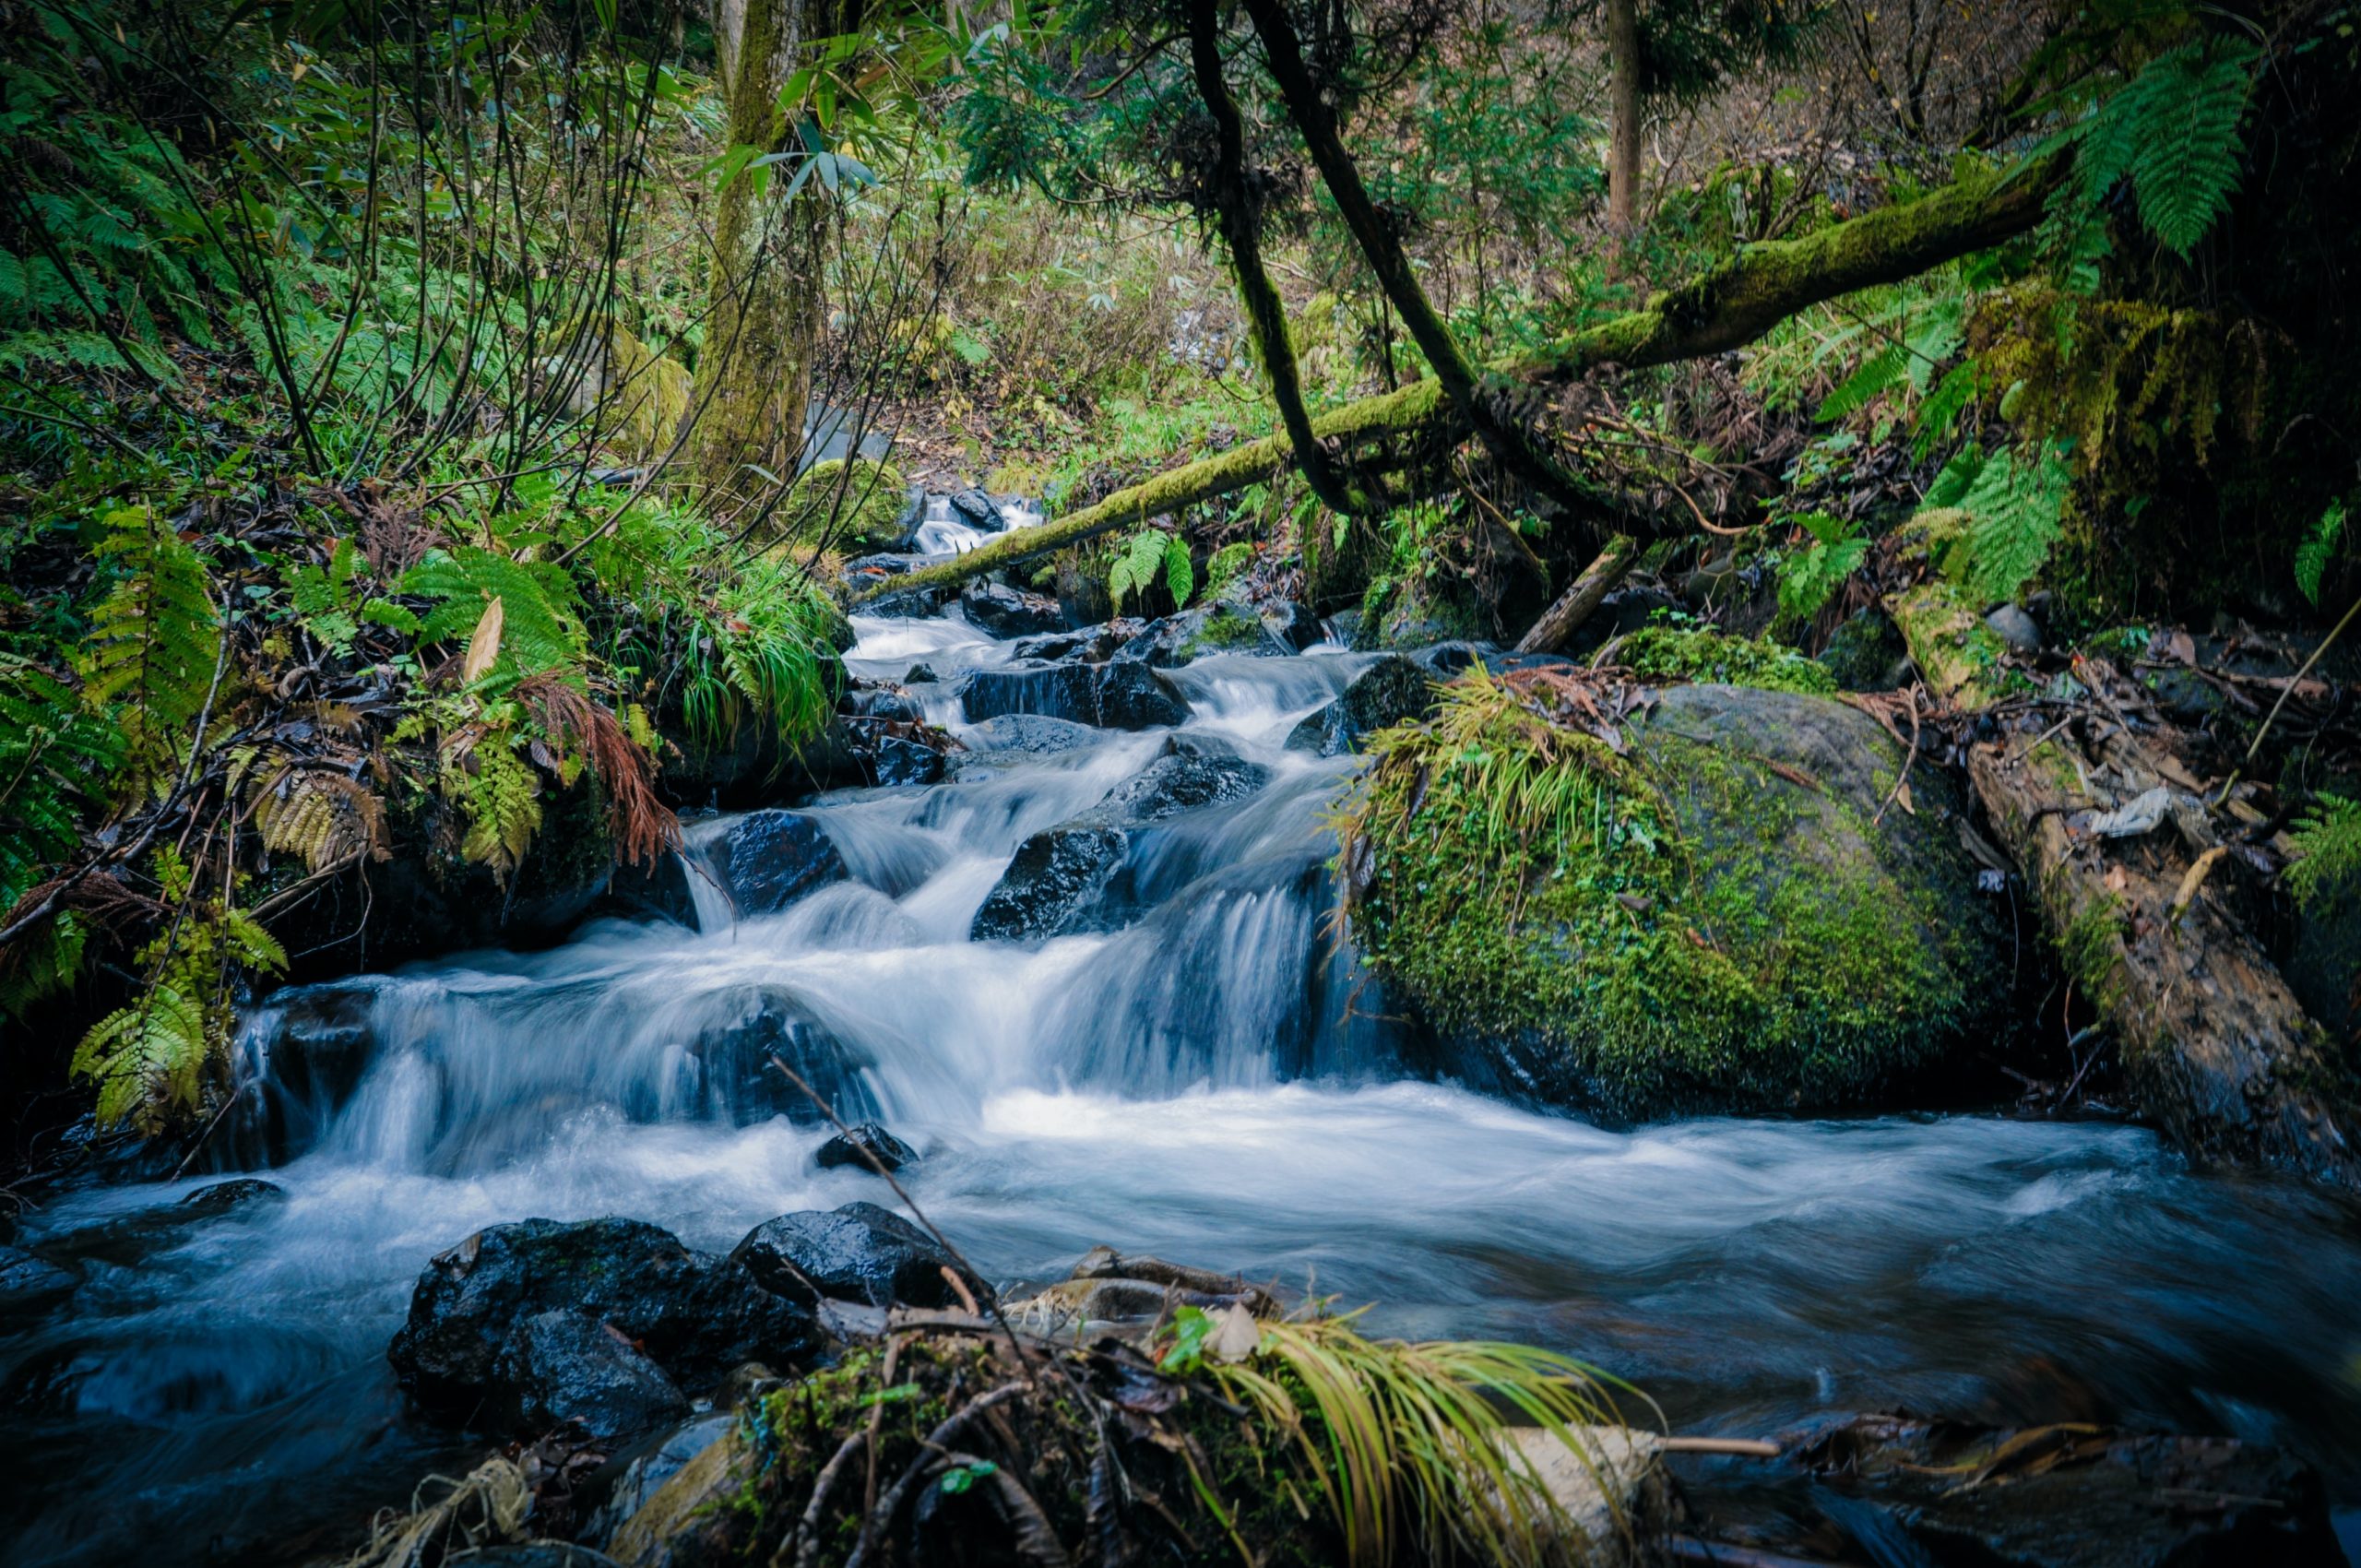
column 1563, row 619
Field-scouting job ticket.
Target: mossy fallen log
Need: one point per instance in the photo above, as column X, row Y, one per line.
column 1726, row 308
column 2214, row 1046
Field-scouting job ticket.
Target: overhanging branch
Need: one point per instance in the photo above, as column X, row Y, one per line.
column 1725, row 309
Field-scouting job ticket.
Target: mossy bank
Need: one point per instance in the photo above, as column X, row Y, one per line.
column 1713, row 900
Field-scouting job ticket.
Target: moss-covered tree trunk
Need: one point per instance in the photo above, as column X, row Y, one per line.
column 754, row 378
column 1727, row 307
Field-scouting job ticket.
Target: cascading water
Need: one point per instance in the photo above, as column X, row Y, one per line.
column 1197, row 1082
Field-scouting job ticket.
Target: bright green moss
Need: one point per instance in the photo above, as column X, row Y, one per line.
column 855, row 502
column 1704, row 933
column 1702, row 655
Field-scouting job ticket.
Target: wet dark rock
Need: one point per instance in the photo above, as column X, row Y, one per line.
column 1445, row 659
column 1061, row 878
column 1193, row 634
column 735, row 1061
column 1092, row 645
column 1866, row 653
column 1292, row 625
column 29, row 1284
column 223, row 1197
column 1388, row 692
column 1121, row 695
column 691, row 1313
column 864, row 1147
column 1001, row 611
column 2066, row 1497
column 920, row 674
column 770, row 859
column 2324, row 967
column 976, row 507
column 656, row 891
column 997, row 742
column 870, row 699
column 1132, row 696
column 301, row 1065
column 561, row 1366
column 903, row 759
column 859, row 1252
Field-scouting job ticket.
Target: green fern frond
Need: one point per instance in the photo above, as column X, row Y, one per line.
column 2327, row 839
column 154, row 640
column 2318, row 549
column 2173, row 132
column 542, row 623
column 55, row 761
column 147, row 1059
column 2016, row 512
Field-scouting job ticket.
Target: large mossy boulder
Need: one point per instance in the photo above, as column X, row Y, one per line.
column 1734, row 911
column 856, row 504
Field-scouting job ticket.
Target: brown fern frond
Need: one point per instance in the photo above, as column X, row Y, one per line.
column 642, row 825
column 327, row 817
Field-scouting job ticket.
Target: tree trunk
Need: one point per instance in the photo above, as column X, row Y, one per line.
column 1623, row 125
column 1730, row 306
column 754, row 376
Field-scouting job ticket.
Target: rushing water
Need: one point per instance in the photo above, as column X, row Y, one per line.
column 1198, row 1084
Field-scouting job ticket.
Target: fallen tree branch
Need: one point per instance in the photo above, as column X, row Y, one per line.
column 1563, row 619
column 1725, row 309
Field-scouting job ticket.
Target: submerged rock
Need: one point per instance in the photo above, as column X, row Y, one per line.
column 691, row 1314
column 859, row 1252
column 1001, row 611
column 1735, row 917
column 223, row 1197
column 1388, row 692
column 1058, row 881
column 2066, row 1496
column 1029, row 734
column 562, row 1365
column 864, row 1147
column 770, row 859
column 771, row 1022
column 1121, row 695
column 31, row 1284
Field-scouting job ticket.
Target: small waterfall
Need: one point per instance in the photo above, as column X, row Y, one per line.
column 1199, row 1069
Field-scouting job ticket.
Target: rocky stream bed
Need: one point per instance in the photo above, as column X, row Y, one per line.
column 1076, row 951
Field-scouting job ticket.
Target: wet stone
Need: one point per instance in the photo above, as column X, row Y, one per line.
column 1119, row 695
column 29, row 1284
column 859, row 1252
column 864, row 1147
column 1001, row 611
column 223, row 1197
column 1059, row 879
column 901, row 760
column 1388, row 692
column 691, row 1313
column 561, row 1366
column 770, row 859
column 920, row 674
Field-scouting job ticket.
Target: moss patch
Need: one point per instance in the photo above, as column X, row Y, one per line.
column 1714, row 922
column 855, row 503
column 1704, row 655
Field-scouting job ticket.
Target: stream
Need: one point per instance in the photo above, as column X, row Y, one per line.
column 1197, row 1085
